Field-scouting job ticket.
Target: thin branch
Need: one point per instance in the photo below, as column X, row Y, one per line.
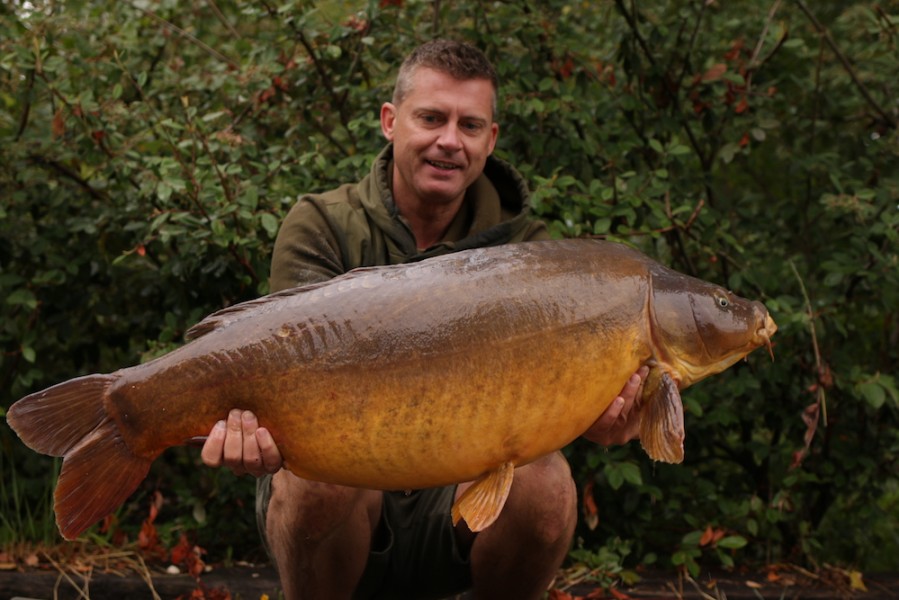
column 69, row 174
column 632, row 23
column 339, row 103
column 825, row 34
column 435, row 23
column 690, row 45
column 221, row 17
column 23, row 120
column 191, row 38
column 673, row 227
column 819, row 366
column 758, row 46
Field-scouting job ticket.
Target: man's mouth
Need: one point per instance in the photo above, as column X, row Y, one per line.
column 444, row 166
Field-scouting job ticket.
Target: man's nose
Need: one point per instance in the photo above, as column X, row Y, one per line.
column 449, row 137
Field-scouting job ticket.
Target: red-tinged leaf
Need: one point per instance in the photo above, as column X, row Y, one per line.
column 618, row 595
column 561, row 595
column 181, row 551
column 735, row 50
column 715, row 73
column 59, row 124
column 810, row 418
column 148, row 538
column 591, row 511
column 107, row 524
column 744, row 141
column 267, row 94
column 195, row 564
column 742, row 106
column 141, row 250
column 708, row 536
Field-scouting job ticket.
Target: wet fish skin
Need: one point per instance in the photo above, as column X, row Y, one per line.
column 453, row 369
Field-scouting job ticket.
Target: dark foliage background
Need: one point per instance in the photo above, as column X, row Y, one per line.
column 149, row 149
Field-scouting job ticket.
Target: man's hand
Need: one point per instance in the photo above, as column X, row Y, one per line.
column 620, row 422
column 242, row 446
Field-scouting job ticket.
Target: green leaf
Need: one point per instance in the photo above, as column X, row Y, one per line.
column 270, row 224
column 22, row 297
column 732, row 542
column 873, row 393
column 29, row 354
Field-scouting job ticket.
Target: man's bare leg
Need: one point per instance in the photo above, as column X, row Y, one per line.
column 518, row 556
column 319, row 535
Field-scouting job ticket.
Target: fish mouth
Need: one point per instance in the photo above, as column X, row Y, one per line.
column 691, row 373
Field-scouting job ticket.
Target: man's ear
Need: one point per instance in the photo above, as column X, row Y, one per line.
column 388, row 120
column 494, row 135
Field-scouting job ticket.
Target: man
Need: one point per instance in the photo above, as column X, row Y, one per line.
column 434, row 189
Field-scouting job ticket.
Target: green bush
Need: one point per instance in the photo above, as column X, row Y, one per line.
column 150, row 150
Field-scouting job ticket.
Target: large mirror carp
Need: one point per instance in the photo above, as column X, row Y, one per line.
column 453, row 369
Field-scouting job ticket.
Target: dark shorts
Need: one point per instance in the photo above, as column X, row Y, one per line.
column 414, row 553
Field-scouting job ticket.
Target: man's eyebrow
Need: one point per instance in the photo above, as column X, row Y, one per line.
column 438, row 111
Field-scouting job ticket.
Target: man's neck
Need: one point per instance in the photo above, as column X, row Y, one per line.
column 429, row 223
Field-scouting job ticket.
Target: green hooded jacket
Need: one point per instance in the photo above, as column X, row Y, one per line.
column 357, row 225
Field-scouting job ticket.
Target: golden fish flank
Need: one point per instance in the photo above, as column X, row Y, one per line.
column 453, row 369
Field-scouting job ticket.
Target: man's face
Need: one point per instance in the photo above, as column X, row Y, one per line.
column 442, row 132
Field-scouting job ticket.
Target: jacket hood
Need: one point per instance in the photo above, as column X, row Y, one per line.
column 496, row 209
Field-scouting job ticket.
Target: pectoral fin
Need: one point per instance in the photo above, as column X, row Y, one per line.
column 662, row 424
column 481, row 503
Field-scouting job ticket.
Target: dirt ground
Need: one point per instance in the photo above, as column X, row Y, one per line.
column 260, row 583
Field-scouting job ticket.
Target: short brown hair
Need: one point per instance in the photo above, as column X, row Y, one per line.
column 457, row 59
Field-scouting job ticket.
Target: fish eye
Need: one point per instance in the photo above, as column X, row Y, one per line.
column 723, row 302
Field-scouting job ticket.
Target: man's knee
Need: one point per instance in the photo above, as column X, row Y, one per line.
column 316, row 509
column 548, row 496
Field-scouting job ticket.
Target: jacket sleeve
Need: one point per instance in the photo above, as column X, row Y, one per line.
column 307, row 250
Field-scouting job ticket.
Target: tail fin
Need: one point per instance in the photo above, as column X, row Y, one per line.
column 99, row 471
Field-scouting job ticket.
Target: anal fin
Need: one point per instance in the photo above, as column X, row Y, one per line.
column 482, row 502
column 662, row 429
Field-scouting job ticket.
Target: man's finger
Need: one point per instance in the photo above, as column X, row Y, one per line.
column 233, row 451
column 271, row 456
column 610, row 415
column 211, row 454
column 252, row 460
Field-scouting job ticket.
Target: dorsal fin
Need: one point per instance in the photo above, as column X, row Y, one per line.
column 237, row 312
column 232, row 314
